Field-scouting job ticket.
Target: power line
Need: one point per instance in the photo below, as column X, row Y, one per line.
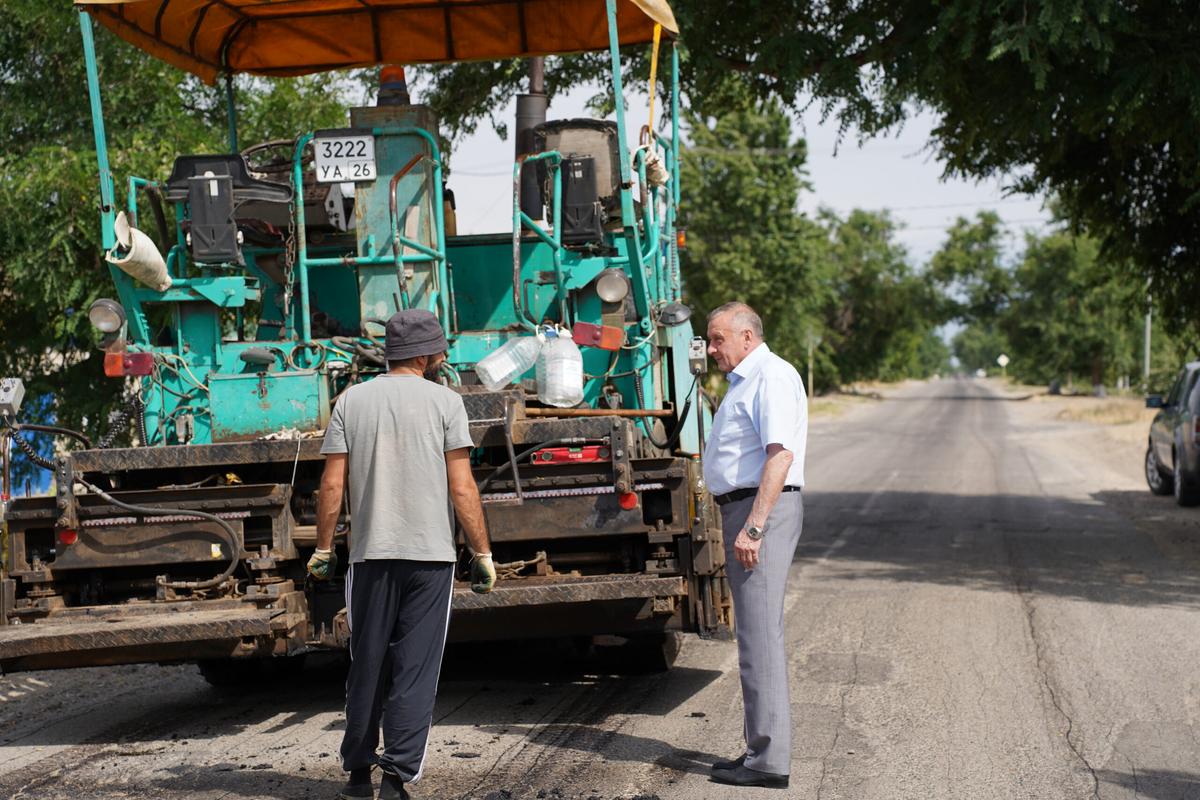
column 942, row 206
column 1003, row 224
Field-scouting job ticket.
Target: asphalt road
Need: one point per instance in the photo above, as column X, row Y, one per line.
column 986, row 603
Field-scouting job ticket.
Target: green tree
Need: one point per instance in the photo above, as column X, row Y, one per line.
column 742, row 176
column 978, row 345
column 969, row 269
column 1092, row 101
column 51, row 267
column 879, row 312
column 1071, row 315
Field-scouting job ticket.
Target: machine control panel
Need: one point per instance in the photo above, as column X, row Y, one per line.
column 698, row 355
column 12, row 392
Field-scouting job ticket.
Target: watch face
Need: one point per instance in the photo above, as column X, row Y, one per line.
column 754, row 532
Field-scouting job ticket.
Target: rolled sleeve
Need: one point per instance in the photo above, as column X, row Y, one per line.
column 458, row 429
column 335, row 433
column 780, row 407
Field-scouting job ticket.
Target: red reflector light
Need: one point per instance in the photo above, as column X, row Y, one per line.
column 68, row 536
column 628, row 500
column 605, row 337
column 118, row 365
column 681, row 238
column 589, row 454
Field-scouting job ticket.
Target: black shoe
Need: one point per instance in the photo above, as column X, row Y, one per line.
column 727, row 765
column 744, row 776
column 392, row 788
column 359, row 786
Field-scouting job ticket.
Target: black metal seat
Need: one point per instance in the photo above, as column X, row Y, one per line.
column 245, row 186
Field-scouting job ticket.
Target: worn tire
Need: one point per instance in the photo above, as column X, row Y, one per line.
column 1155, row 478
column 1186, row 492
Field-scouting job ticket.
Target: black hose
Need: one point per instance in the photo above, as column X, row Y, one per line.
column 30, row 453
column 647, row 421
column 133, row 407
column 235, row 547
column 373, row 353
column 673, row 440
column 30, row 426
column 140, row 410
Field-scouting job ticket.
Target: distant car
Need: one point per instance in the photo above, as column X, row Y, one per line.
column 1173, row 450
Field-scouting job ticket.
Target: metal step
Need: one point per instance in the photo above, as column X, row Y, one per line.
column 74, row 635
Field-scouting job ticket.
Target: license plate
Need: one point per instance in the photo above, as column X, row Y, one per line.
column 344, row 158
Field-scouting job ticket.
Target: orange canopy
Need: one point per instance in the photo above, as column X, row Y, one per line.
column 296, row 37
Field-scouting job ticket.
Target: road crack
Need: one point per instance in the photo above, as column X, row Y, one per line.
column 1041, row 661
column 837, row 732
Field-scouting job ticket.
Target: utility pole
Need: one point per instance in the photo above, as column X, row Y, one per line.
column 813, row 341
column 1146, row 342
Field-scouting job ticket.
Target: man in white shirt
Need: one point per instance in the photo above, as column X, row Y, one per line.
column 754, row 467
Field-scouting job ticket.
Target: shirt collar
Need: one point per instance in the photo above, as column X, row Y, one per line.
column 751, row 363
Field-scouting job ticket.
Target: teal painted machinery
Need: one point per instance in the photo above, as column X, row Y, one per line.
column 239, row 327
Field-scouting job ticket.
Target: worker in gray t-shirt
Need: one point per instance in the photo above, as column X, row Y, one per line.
column 404, row 444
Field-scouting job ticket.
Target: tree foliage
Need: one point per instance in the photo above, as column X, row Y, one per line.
column 1094, row 102
column 880, row 312
column 1059, row 310
column 742, row 175
column 844, row 282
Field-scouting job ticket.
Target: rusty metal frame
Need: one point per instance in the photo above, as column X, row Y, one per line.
column 550, row 591
column 132, row 630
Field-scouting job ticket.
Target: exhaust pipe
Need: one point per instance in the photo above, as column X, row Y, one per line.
column 531, row 112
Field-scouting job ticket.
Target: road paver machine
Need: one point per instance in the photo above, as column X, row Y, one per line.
column 277, row 265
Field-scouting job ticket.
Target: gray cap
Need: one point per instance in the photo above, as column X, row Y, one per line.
column 413, row 332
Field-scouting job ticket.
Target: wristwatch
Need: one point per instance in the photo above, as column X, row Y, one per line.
column 754, row 532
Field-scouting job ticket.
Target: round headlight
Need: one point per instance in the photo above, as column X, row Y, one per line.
column 107, row 315
column 612, row 285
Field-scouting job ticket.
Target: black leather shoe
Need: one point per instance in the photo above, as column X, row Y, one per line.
column 744, row 776
column 392, row 788
column 727, row 765
column 359, row 786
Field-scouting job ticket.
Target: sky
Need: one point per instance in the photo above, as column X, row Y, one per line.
column 896, row 172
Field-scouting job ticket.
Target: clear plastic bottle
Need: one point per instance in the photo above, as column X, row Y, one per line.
column 508, row 362
column 560, row 370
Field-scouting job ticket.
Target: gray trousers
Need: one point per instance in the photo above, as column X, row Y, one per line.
column 758, row 607
column 398, row 613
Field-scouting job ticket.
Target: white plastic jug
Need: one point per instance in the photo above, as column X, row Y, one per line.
column 560, row 370
column 508, row 362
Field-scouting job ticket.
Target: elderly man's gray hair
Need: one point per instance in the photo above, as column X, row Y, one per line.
column 744, row 317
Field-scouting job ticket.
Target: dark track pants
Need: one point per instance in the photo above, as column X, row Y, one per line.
column 398, row 612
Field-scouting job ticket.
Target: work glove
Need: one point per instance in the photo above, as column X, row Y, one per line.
column 483, row 573
column 322, row 564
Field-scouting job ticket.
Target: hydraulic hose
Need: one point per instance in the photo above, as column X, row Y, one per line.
column 29, row 426
column 235, row 546
column 134, row 407
column 30, row 453
column 647, row 421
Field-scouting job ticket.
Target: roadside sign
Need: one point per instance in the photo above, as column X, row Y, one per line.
column 1002, row 360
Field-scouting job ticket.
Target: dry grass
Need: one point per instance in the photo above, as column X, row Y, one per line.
column 835, row 405
column 1106, row 411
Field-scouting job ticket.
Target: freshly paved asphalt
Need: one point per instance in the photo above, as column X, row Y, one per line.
column 986, row 604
